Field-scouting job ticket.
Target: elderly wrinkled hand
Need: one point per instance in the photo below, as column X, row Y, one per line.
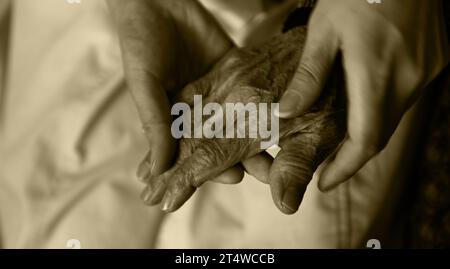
column 258, row 74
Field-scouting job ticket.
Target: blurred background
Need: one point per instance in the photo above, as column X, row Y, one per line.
column 70, row 142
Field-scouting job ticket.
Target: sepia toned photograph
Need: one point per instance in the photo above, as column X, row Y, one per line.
column 224, row 124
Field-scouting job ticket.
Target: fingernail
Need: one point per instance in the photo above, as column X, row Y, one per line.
column 289, row 104
column 292, row 198
column 145, row 169
column 152, row 168
column 167, row 203
column 154, row 195
column 146, row 194
column 159, row 189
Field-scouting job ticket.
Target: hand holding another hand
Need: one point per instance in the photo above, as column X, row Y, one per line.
column 390, row 52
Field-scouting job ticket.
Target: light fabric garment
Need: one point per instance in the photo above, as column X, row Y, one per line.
column 70, row 142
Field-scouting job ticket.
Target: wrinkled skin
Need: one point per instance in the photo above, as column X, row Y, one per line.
column 258, row 74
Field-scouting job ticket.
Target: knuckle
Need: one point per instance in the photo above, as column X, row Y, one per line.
column 298, row 169
column 307, row 74
column 182, row 179
column 207, row 157
column 297, row 161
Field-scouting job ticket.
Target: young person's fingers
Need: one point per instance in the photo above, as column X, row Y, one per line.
column 153, row 109
column 368, row 121
column 312, row 73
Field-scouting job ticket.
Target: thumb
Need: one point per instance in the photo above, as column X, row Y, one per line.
column 289, row 175
column 154, row 111
column 315, row 64
column 295, row 164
